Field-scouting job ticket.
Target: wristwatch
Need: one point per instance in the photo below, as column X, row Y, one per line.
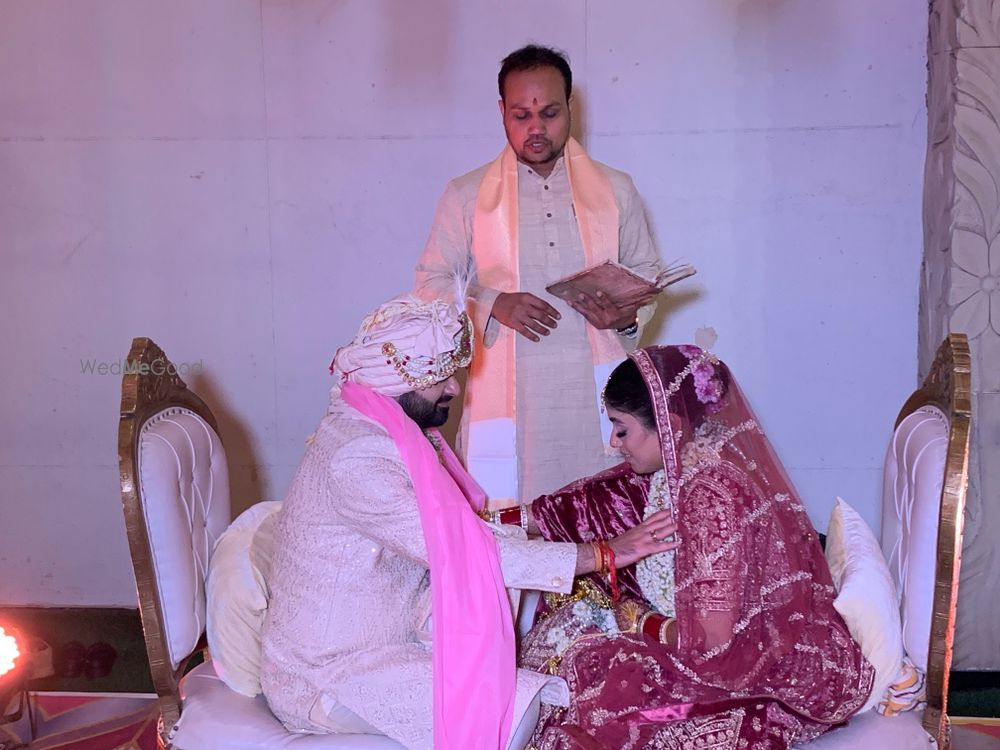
column 630, row 332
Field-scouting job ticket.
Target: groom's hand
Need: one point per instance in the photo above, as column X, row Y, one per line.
column 526, row 314
column 655, row 534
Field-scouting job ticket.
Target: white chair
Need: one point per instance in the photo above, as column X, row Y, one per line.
column 175, row 493
column 923, row 502
column 923, row 514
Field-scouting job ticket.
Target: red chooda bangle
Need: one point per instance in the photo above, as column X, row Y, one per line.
column 612, row 572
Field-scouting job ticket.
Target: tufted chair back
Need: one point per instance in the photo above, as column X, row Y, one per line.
column 911, row 504
column 184, row 494
column 923, row 502
column 175, row 496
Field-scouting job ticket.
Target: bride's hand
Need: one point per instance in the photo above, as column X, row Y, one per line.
column 655, row 534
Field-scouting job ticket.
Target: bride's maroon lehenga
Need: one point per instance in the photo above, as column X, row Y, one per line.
column 749, row 566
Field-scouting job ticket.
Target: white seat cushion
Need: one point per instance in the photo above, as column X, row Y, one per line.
column 217, row 718
column 872, row 731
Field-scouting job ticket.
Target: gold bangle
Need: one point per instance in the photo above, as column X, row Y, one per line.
column 663, row 628
column 598, row 557
column 641, row 625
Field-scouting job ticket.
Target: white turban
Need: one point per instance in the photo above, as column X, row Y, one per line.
column 404, row 345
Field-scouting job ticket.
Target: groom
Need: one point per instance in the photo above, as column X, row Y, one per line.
column 379, row 510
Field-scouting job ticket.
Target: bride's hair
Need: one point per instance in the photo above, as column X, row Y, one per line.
column 627, row 392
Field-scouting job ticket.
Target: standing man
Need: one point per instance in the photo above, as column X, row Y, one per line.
column 542, row 210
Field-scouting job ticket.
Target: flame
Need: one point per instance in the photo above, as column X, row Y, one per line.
column 8, row 652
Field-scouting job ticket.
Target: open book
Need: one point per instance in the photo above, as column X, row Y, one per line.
column 623, row 287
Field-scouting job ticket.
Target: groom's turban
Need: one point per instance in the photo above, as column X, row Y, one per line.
column 406, row 344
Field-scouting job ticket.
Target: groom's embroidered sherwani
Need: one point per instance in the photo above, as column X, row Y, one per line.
column 347, row 631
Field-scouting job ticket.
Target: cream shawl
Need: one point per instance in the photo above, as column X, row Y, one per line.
column 489, row 416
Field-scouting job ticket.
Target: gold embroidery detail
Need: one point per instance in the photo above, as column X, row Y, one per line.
column 423, row 372
column 583, row 588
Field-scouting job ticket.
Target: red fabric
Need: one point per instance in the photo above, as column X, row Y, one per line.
column 510, row 516
column 989, row 727
column 598, row 507
column 88, row 722
column 762, row 656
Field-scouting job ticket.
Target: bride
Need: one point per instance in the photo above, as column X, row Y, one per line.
column 729, row 640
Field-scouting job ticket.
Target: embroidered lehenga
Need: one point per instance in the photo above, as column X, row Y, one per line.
column 761, row 658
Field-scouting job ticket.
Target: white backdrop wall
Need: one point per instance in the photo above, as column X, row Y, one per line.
column 242, row 180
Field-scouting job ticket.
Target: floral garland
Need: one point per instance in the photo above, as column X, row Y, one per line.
column 587, row 614
column 656, row 572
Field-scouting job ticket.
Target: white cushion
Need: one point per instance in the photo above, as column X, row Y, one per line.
column 237, row 598
column 872, row 731
column 866, row 597
column 217, row 718
column 184, row 488
column 911, row 504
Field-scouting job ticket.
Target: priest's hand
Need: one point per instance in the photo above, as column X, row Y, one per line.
column 602, row 313
column 526, row 314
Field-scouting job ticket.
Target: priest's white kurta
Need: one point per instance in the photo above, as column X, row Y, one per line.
column 559, row 437
column 346, row 642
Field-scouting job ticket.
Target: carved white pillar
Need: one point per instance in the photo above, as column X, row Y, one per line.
column 960, row 289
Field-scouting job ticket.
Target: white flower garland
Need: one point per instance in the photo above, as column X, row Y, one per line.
column 656, row 572
column 586, row 613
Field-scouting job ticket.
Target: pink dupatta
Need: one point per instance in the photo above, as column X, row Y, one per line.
column 473, row 656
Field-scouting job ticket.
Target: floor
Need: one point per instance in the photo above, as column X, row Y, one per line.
column 977, row 737
column 62, row 629
column 66, row 630
column 84, row 721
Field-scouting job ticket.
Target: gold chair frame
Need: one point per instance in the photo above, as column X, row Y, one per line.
column 150, row 385
column 948, row 386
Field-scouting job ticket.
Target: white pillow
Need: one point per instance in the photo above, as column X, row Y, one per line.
column 866, row 597
column 237, row 597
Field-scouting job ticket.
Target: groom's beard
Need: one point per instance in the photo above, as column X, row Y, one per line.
column 425, row 413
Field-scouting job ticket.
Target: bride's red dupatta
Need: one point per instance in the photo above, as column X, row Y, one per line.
column 761, row 655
